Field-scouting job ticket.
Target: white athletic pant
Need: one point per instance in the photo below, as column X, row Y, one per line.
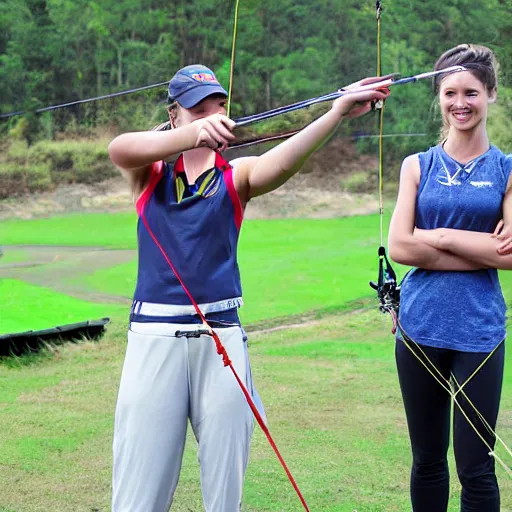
column 166, row 381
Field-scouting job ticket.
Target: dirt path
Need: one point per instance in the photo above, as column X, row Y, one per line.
column 57, row 267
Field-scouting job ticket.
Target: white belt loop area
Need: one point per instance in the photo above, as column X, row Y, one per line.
column 172, row 330
column 156, row 310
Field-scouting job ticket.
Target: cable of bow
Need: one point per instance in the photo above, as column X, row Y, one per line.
column 285, row 135
column 453, row 388
column 378, row 8
column 388, row 289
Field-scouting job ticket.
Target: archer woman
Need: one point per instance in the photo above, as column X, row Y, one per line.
column 450, row 201
column 190, row 213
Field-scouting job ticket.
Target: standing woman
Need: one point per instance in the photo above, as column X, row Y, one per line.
column 192, row 211
column 451, row 199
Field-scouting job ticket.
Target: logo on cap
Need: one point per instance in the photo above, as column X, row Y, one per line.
column 204, row 77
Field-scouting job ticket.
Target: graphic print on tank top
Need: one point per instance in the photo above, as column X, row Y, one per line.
column 452, row 172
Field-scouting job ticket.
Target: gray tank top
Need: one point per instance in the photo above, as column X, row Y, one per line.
column 457, row 310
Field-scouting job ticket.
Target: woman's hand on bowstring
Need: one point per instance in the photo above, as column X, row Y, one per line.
column 214, row 132
column 503, row 234
column 358, row 103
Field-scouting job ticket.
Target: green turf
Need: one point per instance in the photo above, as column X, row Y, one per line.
column 13, row 256
column 287, row 266
column 118, row 280
column 115, row 230
column 330, row 389
column 26, row 307
column 331, row 396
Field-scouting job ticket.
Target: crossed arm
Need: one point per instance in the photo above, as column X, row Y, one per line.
column 441, row 248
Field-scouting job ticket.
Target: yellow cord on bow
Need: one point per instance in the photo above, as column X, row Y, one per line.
column 381, row 174
column 445, row 384
column 381, row 132
column 233, row 52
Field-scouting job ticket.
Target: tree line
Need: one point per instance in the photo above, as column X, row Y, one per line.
column 57, row 51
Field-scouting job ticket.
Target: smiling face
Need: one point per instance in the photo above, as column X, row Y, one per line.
column 464, row 101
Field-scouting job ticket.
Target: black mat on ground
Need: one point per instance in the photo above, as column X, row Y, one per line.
column 19, row 343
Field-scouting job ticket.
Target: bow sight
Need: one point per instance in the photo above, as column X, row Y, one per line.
column 388, row 290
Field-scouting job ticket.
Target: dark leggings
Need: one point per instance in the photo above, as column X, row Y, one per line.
column 427, row 407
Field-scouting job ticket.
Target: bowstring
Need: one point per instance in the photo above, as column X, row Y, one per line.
column 381, row 127
column 232, row 62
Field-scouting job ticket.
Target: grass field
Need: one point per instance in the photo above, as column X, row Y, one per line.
column 288, row 267
column 329, row 387
column 27, row 307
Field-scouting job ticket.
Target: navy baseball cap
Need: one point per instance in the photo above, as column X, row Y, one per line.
column 192, row 84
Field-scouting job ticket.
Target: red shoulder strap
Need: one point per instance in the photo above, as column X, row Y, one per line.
column 227, row 172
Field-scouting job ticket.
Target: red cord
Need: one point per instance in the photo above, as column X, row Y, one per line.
column 227, row 362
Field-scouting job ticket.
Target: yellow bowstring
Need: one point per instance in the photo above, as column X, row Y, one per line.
column 381, row 133
column 233, row 53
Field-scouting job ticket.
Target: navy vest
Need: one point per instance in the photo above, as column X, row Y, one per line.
column 197, row 229
column 457, row 310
